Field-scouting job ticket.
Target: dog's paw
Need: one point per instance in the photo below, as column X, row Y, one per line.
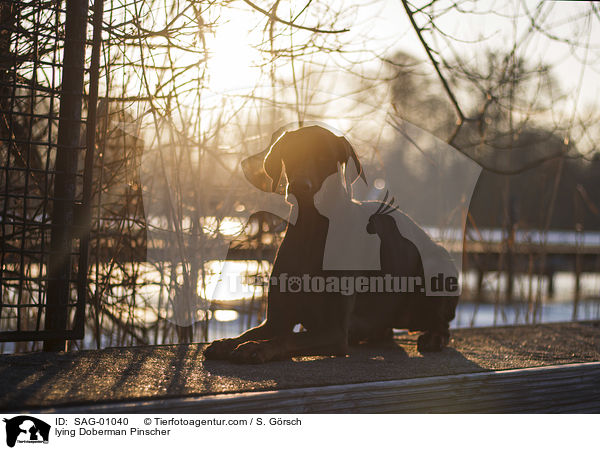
column 220, row 349
column 254, row 352
column 432, row 342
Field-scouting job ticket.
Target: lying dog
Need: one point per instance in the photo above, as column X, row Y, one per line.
column 328, row 240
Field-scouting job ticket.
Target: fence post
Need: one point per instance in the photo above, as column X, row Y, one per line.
column 69, row 143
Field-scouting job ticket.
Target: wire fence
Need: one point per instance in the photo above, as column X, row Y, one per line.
column 26, row 159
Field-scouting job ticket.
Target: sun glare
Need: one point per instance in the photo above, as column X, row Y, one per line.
column 232, row 62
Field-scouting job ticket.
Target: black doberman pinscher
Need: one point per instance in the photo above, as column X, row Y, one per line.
column 331, row 320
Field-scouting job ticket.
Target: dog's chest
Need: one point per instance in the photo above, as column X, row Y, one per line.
column 302, row 249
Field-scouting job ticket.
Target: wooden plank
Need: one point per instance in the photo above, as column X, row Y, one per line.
column 548, row 389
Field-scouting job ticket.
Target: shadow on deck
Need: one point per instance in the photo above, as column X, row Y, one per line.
column 481, row 371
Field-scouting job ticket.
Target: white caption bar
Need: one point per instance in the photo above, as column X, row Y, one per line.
column 302, row 431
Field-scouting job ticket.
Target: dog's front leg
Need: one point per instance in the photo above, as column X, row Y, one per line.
column 222, row 348
column 307, row 343
column 326, row 335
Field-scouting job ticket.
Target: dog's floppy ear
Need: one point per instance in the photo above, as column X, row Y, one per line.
column 350, row 154
column 254, row 167
column 274, row 165
column 254, row 171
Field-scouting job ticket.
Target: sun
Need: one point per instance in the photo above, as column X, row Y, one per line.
column 232, row 63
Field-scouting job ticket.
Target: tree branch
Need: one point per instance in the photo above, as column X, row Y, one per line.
column 274, row 17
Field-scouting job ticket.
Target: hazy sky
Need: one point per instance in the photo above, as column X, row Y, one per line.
column 382, row 27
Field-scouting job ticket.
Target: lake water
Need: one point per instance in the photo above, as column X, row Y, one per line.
column 144, row 308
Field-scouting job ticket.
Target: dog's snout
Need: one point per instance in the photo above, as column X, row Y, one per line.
column 302, row 185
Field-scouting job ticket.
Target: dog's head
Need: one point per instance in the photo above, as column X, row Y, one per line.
column 307, row 156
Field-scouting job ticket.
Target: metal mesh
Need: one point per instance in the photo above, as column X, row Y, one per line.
column 32, row 44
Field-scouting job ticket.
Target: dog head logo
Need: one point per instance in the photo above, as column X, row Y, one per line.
column 26, row 429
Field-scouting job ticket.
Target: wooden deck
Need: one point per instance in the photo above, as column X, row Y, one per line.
column 568, row 388
column 536, row 368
